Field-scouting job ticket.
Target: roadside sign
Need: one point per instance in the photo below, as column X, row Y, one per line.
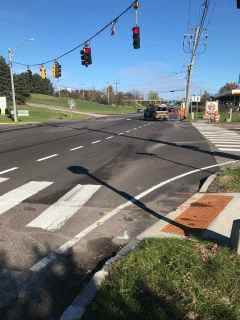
column 211, row 108
column 3, row 103
column 195, row 99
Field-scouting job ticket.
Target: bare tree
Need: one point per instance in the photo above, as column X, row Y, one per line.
column 152, row 95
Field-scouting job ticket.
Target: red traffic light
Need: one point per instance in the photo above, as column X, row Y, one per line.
column 136, row 30
column 87, row 50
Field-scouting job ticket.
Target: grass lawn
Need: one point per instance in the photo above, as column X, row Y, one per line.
column 40, row 115
column 227, row 180
column 81, row 105
column 171, row 279
column 223, row 116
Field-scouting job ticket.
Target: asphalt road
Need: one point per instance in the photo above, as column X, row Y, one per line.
column 88, row 187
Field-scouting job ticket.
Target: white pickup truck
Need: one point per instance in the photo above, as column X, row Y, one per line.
column 156, row 113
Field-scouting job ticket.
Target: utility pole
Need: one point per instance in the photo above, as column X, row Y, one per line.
column 116, row 83
column 12, row 82
column 108, row 84
column 194, row 44
column 59, row 88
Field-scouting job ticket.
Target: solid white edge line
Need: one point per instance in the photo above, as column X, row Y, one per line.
column 109, row 137
column 42, row 263
column 95, row 141
column 42, row 159
column 76, row 148
column 8, row 170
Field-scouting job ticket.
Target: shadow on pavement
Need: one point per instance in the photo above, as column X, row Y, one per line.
column 41, row 295
column 188, row 231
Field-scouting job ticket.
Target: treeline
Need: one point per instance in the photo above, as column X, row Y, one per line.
column 107, row 96
column 23, row 85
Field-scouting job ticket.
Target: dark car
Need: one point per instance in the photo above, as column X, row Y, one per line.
column 149, row 113
column 156, row 113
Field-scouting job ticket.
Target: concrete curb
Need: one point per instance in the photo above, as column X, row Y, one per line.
column 78, row 307
column 208, row 182
column 211, row 178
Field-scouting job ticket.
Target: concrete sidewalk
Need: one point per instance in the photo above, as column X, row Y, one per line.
column 205, row 215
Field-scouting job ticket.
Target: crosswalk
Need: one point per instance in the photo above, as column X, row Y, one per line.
column 56, row 215
column 224, row 140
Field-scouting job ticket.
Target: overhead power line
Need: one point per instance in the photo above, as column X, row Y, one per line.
column 82, row 44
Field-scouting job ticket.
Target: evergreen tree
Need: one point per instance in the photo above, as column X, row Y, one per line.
column 22, row 91
column 38, row 85
column 5, row 80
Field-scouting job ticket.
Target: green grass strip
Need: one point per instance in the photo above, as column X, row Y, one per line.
column 42, row 114
column 171, row 279
column 82, row 105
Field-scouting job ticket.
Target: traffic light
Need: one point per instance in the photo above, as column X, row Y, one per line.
column 86, row 56
column 136, row 37
column 29, row 75
column 54, row 70
column 83, row 57
column 43, row 72
column 59, row 70
column 238, row 4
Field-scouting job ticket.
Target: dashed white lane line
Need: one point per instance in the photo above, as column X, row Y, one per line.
column 109, row 137
column 3, row 179
column 128, row 130
column 120, row 134
column 42, row 159
column 8, row 170
column 95, row 141
column 76, row 148
column 69, row 244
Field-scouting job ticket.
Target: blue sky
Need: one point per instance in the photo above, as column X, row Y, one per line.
column 59, row 26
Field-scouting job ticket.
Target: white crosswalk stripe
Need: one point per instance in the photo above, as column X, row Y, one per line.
column 57, row 215
column 223, row 139
column 16, row 196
